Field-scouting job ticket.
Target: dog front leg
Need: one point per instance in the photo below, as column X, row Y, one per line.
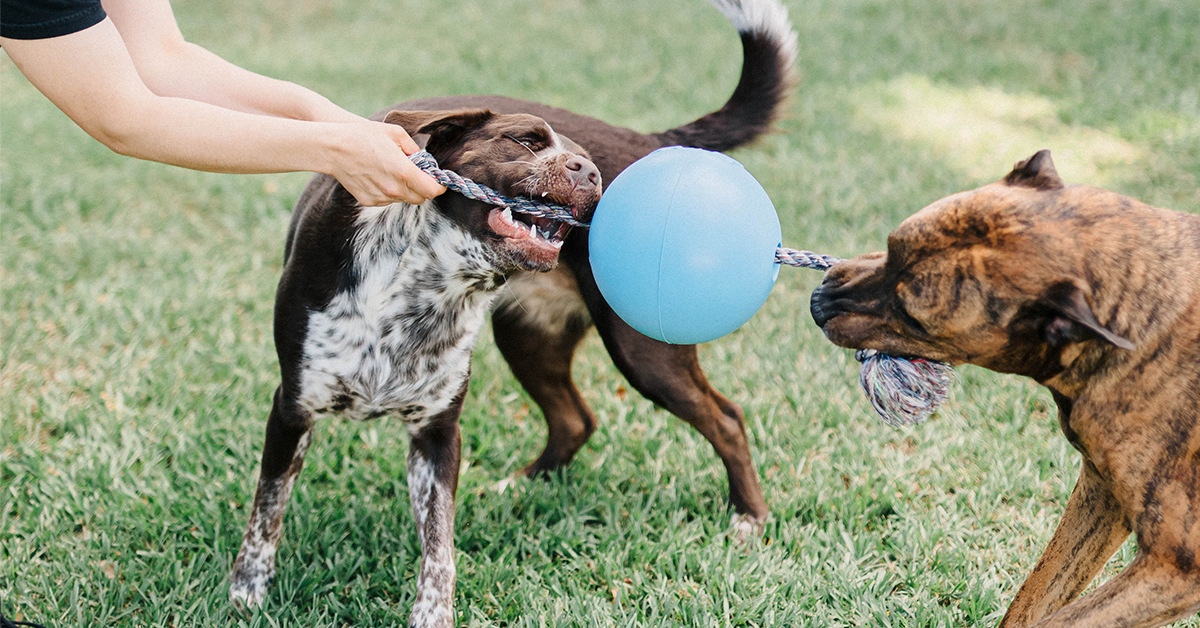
column 1091, row 530
column 289, row 432
column 433, row 460
column 540, row 357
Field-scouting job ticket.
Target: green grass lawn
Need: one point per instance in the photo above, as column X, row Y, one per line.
column 138, row 363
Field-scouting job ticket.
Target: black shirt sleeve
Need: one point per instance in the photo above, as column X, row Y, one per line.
column 42, row 19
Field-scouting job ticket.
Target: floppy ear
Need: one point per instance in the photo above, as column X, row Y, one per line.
column 441, row 127
column 1037, row 172
column 1074, row 320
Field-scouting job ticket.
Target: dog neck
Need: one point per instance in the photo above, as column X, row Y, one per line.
column 418, row 249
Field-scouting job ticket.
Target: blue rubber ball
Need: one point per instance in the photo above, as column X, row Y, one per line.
column 683, row 245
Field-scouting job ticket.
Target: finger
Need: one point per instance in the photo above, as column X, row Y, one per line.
column 412, row 198
column 420, row 182
column 402, row 139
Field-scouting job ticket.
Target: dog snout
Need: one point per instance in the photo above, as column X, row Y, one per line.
column 853, row 285
column 583, row 173
column 585, row 181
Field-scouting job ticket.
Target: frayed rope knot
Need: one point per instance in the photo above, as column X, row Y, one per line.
column 902, row 391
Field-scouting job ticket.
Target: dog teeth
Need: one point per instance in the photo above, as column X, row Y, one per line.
column 556, row 243
column 507, row 215
column 533, row 231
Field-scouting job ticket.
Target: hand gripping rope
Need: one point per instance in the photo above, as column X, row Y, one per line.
column 902, row 391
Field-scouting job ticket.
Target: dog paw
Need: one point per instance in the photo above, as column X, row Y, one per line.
column 247, row 590
column 745, row 529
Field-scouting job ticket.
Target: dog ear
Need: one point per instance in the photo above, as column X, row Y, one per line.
column 441, row 127
column 1074, row 320
column 1037, row 172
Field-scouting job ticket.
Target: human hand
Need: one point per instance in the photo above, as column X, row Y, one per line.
column 372, row 164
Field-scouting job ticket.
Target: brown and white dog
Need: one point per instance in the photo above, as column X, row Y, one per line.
column 540, row 318
column 378, row 308
column 1097, row 297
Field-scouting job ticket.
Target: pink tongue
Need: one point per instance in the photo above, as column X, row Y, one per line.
column 505, row 228
column 537, row 247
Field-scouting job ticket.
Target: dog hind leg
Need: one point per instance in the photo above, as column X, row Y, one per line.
column 670, row 376
column 1092, row 528
column 433, row 460
column 288, row 434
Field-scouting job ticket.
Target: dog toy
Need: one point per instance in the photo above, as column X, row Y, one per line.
column 685, row 245
column 676, row 264
column 903, row 391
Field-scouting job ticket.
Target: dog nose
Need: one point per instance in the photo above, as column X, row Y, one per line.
column 583, row 172
column 818, row 306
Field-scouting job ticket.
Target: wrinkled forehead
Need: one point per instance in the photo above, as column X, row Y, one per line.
column 981, row 218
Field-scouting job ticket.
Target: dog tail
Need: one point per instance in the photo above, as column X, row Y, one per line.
column 768, row 57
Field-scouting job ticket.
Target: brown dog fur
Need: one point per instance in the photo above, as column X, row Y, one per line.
column 1096, row 296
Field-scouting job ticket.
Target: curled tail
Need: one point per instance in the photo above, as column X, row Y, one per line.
column 768, row 54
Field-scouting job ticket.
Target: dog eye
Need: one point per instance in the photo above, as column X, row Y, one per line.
column 524, row 141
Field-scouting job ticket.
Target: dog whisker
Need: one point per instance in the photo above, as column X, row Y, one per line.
column 516, row 299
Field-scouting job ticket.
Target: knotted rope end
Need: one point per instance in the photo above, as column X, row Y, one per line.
column 903, row 391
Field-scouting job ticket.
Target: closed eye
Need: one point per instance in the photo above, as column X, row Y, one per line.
column 527, row 142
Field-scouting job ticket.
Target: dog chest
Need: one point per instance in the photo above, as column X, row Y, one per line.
column 398, row 340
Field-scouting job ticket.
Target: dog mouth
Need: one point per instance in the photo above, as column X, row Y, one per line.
column 535, row 241
column 532, row 240
column 528, row 232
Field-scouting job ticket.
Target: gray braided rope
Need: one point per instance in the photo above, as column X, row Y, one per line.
column 479, row 192
column 804, row 259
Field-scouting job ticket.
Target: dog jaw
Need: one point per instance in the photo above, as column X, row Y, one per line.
column 519, row 156
column 528, row 246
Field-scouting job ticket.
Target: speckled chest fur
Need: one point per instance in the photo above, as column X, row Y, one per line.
column 398, row 341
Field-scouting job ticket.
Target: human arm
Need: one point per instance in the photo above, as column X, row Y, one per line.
column 92, row 77
column 171, row 66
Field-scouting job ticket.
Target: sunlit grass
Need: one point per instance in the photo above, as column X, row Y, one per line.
column 980, row 130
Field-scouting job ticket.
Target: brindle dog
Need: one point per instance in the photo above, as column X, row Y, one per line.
column 1096, row 296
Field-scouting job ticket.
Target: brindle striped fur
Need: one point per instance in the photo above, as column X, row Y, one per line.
column 1096, row 296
